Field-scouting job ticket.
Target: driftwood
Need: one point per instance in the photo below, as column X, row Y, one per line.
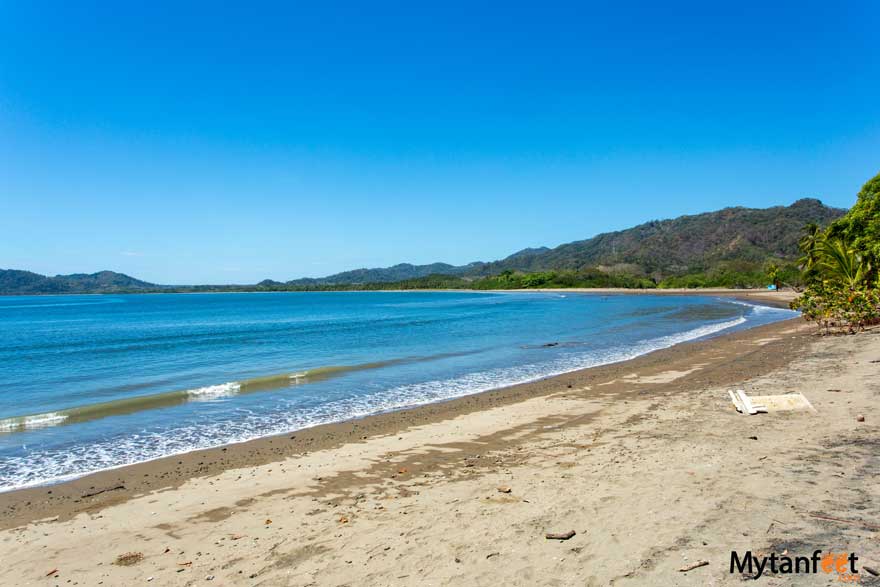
column 865, row 525
column 561, row 536
column 871, row 570
column 693, row 566
column 117, row 488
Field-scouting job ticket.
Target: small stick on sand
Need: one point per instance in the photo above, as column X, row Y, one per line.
column 865, row 525
column 94, row 493
column 693, row 566
column 561, row 536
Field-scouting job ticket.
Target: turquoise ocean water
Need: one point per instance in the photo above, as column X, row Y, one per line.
column 93, row 382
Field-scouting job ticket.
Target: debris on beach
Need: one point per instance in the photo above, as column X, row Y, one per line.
column 100, row 491
column 860, row 418
column 561, row 535
column 769, row 403
column 128, row 559
column 865, row 525
column 504, row 489
column 52, row 572
column 693, row 566
column 743, row 403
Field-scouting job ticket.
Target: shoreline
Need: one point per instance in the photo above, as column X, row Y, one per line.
column 644, row 464
column 755, row 297
column 74, row 414
column 93, row 491
column 725, row 291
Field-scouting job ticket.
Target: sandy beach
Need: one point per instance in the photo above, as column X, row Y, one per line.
column 439, row 295
column 646, row 461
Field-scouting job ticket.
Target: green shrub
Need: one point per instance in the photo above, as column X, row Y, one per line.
column 835, row 307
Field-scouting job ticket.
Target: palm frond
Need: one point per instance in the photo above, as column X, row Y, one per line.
column 841, row 262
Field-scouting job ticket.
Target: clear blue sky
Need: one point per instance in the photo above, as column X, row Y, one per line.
column 196, row 143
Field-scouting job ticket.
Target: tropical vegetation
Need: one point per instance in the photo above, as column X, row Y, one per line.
column 840, row 267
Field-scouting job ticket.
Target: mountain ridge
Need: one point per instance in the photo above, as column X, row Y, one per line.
column 652, row 248
column 734, row 236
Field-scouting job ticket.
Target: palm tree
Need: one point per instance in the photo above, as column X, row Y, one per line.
column 841, row 262
column 809, row 245
column 772, row 271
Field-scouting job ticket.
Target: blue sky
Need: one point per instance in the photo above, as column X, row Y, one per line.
column 196, row 143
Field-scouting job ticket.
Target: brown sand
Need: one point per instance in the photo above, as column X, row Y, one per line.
column 645, row 460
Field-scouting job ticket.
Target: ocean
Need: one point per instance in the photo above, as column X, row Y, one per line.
column 93, row 382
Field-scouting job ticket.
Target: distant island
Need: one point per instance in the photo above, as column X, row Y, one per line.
column 732, row 247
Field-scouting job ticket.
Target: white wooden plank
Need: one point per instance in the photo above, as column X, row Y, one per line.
column 736, row 403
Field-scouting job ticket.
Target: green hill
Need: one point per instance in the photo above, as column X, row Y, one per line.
column 742, row 238
column 727, row 247
column 13, row 281
column 398, row 272
column 686, row 244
